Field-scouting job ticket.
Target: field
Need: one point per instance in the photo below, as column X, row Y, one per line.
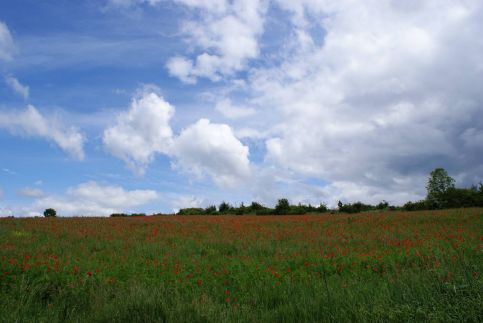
column 388, row 266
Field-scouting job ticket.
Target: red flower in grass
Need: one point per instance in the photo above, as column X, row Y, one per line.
column 199, row 282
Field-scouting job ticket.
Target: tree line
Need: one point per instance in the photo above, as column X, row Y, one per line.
column 441, row 194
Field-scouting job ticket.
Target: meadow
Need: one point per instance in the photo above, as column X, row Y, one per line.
column 374, row 267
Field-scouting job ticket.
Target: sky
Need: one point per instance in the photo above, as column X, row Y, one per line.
column 154, row 105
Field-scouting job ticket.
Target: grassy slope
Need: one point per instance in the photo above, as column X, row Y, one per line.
column 371, row 267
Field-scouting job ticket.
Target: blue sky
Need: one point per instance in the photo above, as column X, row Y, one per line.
column 151, row 105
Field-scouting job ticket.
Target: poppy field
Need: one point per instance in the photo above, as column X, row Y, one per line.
column 378, row 267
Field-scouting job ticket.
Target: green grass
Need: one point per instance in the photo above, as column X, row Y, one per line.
column 396, row 267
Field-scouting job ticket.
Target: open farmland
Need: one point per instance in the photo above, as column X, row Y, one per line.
column 390, row 266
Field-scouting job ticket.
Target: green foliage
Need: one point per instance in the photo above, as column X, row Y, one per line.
column 356, row 207
column 282, row 207
column 439, row 183
column 461, row 197
column 123, row 215
column 442, row 193
column 210, row 210
column 383, row 205
column 50, row 213
column 191, row 211
column 225, row 208
column 416, row 206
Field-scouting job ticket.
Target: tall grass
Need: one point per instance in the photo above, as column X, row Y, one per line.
column 398, row 267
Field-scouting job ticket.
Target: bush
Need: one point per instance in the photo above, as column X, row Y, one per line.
column 50, row 213
column 118, row 215
column 461, row 197
column 210, row 210
column 225, row 208
column 356, row 207
column 416, row 206
column 282, row 207
column 191, row 211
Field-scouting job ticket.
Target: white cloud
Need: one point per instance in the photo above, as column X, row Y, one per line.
column 227, row 37
column 94, row 199
column 181, row 67
column 142, row 131
column 18, row 87
column 391, row 92
column 231, row 111
column 186, row 201
column 201, row 149
column 32, row 192
column 6, row 43
column 367, row 97
column 31, row 123
column 212, row 149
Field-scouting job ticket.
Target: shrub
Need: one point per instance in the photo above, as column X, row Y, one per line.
column 50, row 213
column 225, row 208
column 210, row 210
column 191, row 211
column 118, row 215
column 416, row 206
column 282, row 207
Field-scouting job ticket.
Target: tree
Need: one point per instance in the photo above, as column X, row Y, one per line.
column 210, row 210
column 439, row 183
column 50, row 213
column 282, row 207
column 340, row 205
column 225, row 208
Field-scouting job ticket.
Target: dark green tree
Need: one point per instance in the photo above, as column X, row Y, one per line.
column 282, row 207
column 225, row 208
column 439, row 183
column 50, row 213
column 210, row 210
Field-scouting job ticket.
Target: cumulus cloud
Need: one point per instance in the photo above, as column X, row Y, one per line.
column 201, row 149
column 31, row 192
column 142, row 131
column 31, row 122
column 206, row 148
column 227, row 38
column 6, row 43
column 18, row 87
column 391, row 92
column 94, row 199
